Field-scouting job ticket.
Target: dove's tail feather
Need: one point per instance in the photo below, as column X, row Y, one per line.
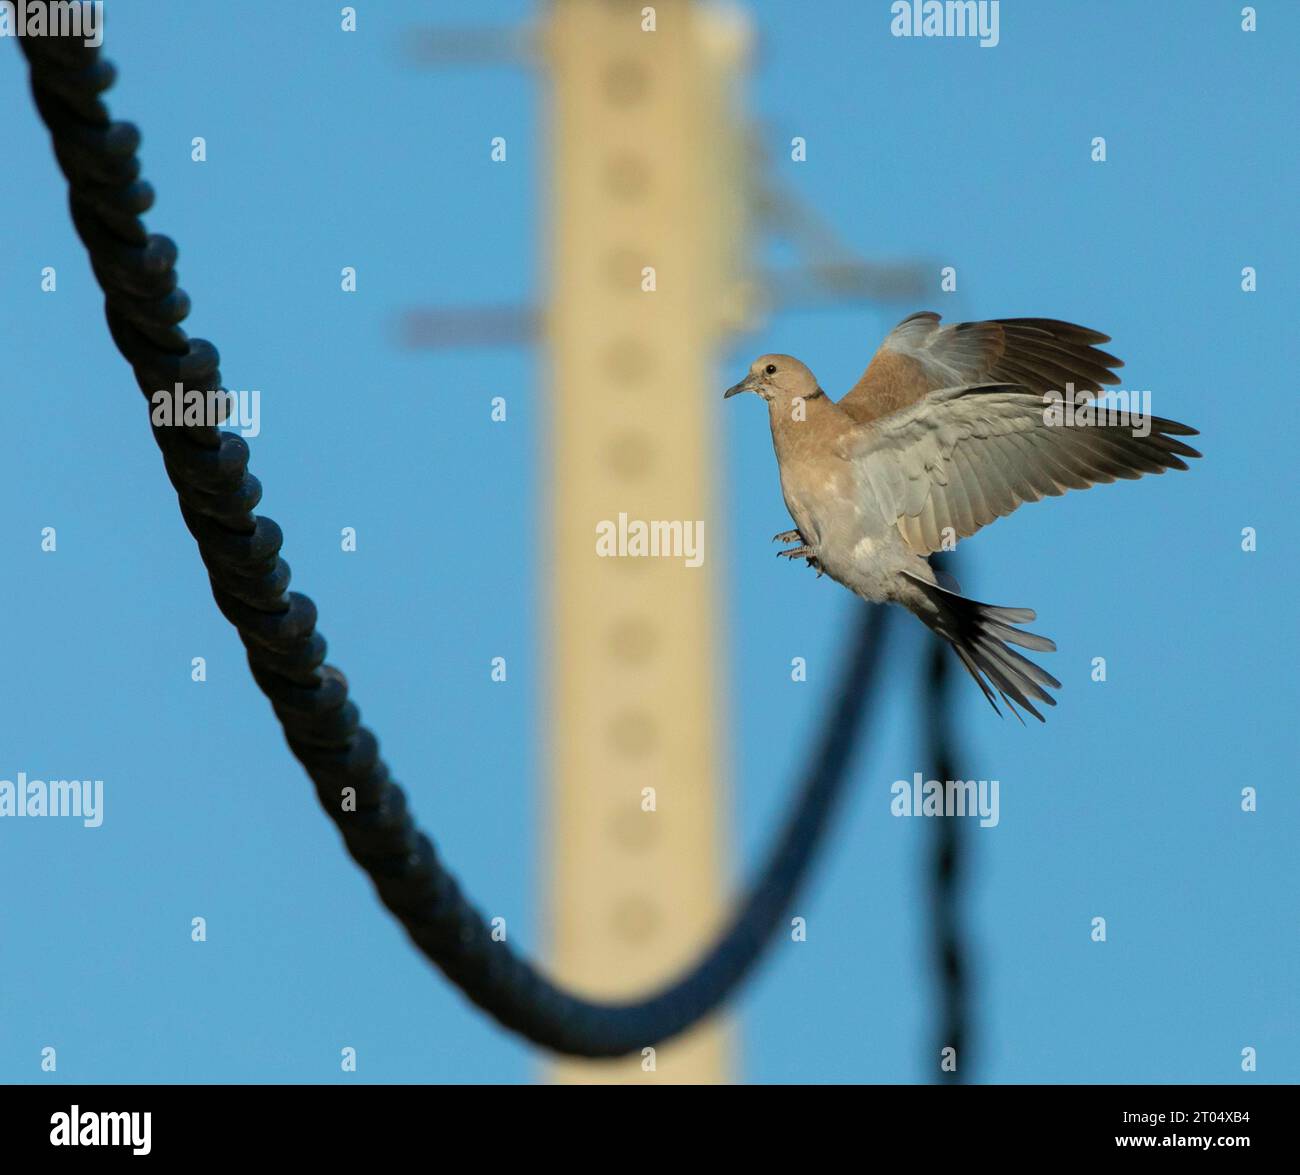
column 982, row 635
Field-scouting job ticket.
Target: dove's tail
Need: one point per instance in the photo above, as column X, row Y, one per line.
column 982, row 635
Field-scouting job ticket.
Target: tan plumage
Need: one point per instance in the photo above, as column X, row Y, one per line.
column 947, row 430
column 920, row 356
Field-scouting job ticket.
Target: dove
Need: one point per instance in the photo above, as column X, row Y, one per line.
column 949, row 428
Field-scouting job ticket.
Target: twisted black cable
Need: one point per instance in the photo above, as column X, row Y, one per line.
column 947, row 859
column 241, row 551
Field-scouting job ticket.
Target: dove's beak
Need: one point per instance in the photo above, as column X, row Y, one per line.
column 745, row 385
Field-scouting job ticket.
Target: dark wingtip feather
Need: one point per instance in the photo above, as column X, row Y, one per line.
column 1055, row 326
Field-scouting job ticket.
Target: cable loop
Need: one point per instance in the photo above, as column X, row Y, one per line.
column 208, row 469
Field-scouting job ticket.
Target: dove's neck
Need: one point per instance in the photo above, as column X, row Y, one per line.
column 803, row 426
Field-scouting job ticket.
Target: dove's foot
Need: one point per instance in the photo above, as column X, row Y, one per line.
column 803, row 552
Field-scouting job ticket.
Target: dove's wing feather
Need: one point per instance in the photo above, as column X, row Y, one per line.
column 920, row 356
column 961, row 457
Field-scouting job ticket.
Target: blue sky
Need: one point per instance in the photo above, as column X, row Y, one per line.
column 328, row 149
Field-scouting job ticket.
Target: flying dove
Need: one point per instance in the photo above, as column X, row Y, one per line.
column 949, row 428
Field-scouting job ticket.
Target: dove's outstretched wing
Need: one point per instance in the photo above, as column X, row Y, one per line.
column 920, row 356
column 960, row 457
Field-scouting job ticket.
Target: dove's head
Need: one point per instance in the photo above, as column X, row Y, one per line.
column 779, row 379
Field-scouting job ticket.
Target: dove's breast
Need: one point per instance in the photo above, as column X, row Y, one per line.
column 829, row 496
column 836, row 512
column 823, row 497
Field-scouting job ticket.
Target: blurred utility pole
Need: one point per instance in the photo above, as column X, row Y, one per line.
column 654, row 198
column 647, row 190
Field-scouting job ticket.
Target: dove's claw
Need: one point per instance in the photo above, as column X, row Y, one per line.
column 803, row 550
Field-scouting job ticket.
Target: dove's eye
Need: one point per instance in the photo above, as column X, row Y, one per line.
column 770, row 369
